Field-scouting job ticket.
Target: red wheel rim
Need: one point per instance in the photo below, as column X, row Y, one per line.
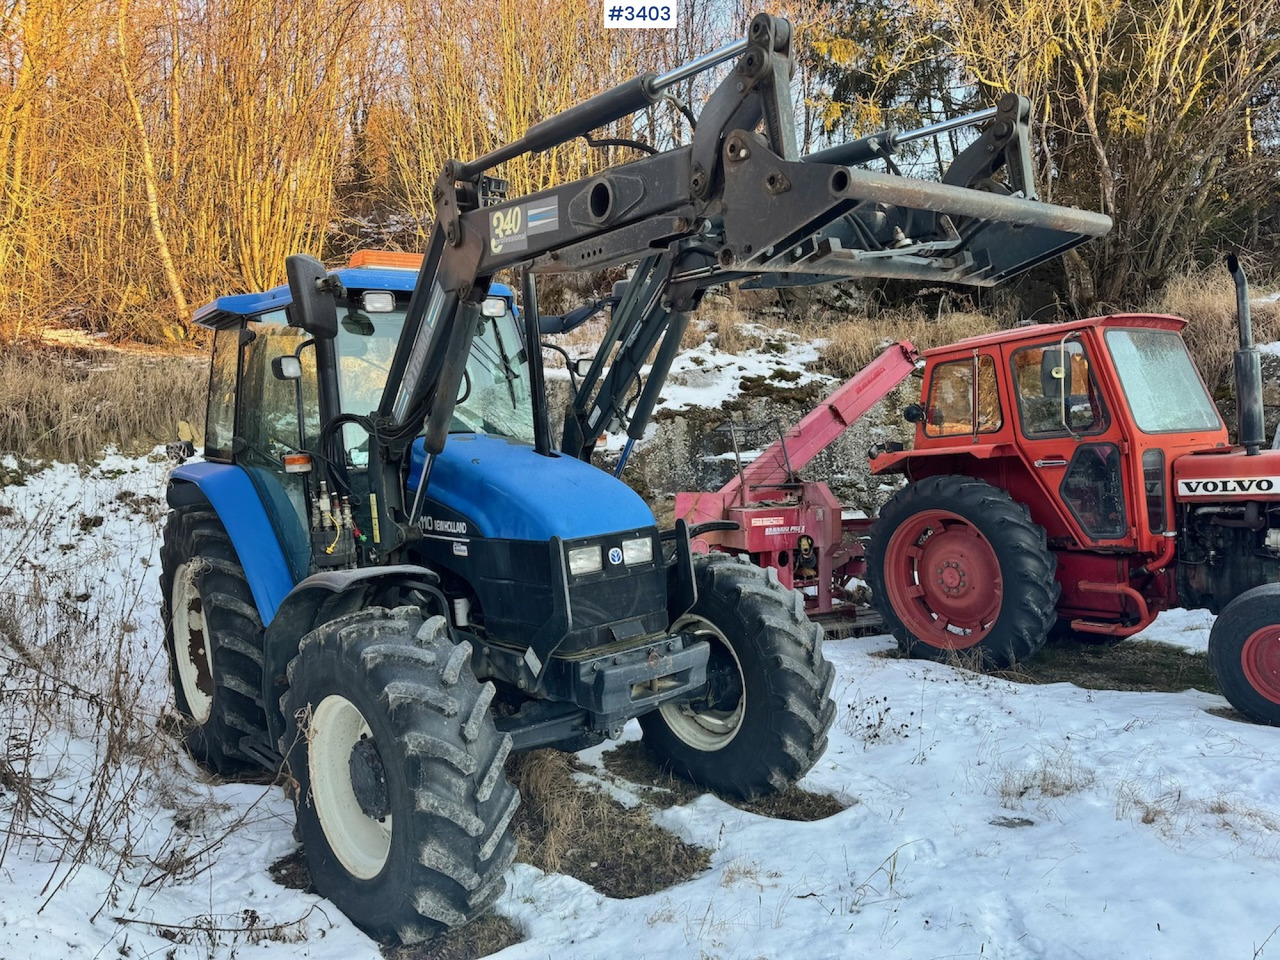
column 943, row 580
column 1260, row 658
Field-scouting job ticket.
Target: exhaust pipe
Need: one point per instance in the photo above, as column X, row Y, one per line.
column 1248, row 368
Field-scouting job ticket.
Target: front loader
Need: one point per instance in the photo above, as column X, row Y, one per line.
column 384, row 578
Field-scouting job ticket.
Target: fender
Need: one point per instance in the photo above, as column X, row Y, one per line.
column 899, row 461
column 318, row 599
column 238, row 505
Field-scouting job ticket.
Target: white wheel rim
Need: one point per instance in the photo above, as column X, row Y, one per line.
column 361, row 843
column 706, row 730
column 191, row 643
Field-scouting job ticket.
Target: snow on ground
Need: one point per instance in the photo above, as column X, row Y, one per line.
column 706, row 371
column 986, row 819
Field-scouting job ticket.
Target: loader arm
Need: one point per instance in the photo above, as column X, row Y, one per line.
column 823, row 425
column 730, row 204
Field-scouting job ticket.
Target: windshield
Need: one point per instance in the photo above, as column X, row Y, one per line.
column 1160, row 382
column 495, row 391
column 494, row 397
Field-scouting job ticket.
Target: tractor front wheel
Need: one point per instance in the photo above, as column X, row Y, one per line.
column 214, row 638
column 761, row 722
column 1244, row 653
column 403, row 805
column 957, row 565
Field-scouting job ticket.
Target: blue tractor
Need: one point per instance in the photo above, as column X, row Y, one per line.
column 383, row 577
column 539, row 605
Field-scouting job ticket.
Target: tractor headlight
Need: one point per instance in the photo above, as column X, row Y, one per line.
column 584, row 560
column 639, row 550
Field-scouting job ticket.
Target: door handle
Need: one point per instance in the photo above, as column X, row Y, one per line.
column 1052, row 462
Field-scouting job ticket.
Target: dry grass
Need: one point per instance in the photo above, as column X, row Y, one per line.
column 564, row 826
column 479, row 938
column 1127, row 665
column 633, row 763
column 71, row 405
column 731, row 328
column 82, row 761
column 1055, row 772
column 1207, row 300
column 852, row 344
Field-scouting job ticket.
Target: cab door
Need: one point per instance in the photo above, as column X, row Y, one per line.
column 1067, row 439
column 268, row 426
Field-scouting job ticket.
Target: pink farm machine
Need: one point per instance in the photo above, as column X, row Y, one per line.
column 795, row 526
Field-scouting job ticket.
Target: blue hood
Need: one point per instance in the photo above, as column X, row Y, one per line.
column 507, row 490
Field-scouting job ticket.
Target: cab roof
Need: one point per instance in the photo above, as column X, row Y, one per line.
column 368, row 270
column 1158, row 321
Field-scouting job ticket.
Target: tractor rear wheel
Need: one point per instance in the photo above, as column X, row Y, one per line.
column 214, row 638
column 957, row 565
column 403, row 805
column 761, row 722
column 1244, row 653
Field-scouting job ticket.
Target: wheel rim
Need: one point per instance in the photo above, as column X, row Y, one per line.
column 191, row 643
column 943, row 580
column 1260, row 658
column 713, row 726
column 360, row 842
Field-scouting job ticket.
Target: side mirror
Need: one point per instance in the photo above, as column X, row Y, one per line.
column 582, row 366
column 913, row 414
column 286, row 368
column 314, row 308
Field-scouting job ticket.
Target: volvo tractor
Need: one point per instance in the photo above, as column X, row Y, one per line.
column 383, row 576
column 1078, row 477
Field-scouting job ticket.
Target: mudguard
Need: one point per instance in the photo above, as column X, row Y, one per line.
column 234, row 498
column 317, row 599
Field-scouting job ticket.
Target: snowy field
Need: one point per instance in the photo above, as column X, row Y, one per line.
column 985, row 819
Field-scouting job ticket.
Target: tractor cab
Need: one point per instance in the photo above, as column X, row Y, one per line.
column 1082, row 421
column 267, row 400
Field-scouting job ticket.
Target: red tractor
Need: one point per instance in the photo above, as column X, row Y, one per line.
column 1080, row 474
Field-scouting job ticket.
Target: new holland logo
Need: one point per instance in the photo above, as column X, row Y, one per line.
column 1218, row 486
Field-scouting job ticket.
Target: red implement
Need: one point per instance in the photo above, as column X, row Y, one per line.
column 797, row 527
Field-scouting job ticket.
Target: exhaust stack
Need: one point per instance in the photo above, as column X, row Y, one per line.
column 1248, row 368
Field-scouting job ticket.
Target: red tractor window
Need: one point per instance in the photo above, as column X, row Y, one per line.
column 952, row 409
column 1057, row 394
column 1093, row 490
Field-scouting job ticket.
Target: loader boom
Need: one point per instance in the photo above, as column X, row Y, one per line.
column 731, row 204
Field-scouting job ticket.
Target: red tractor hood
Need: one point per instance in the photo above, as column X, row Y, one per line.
column 1229, row 475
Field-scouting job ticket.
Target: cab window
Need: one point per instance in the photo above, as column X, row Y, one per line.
column 220, row 418
column 1057, row 393
column 961, row 403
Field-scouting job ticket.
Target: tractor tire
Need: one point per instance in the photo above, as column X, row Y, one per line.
column 1244, row 653
column 403, row 805
column 213, row 634
column 762, row 722
column 956, row 565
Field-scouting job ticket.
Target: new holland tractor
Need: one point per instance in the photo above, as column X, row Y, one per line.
column 383, row 578
column 1078, row 476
